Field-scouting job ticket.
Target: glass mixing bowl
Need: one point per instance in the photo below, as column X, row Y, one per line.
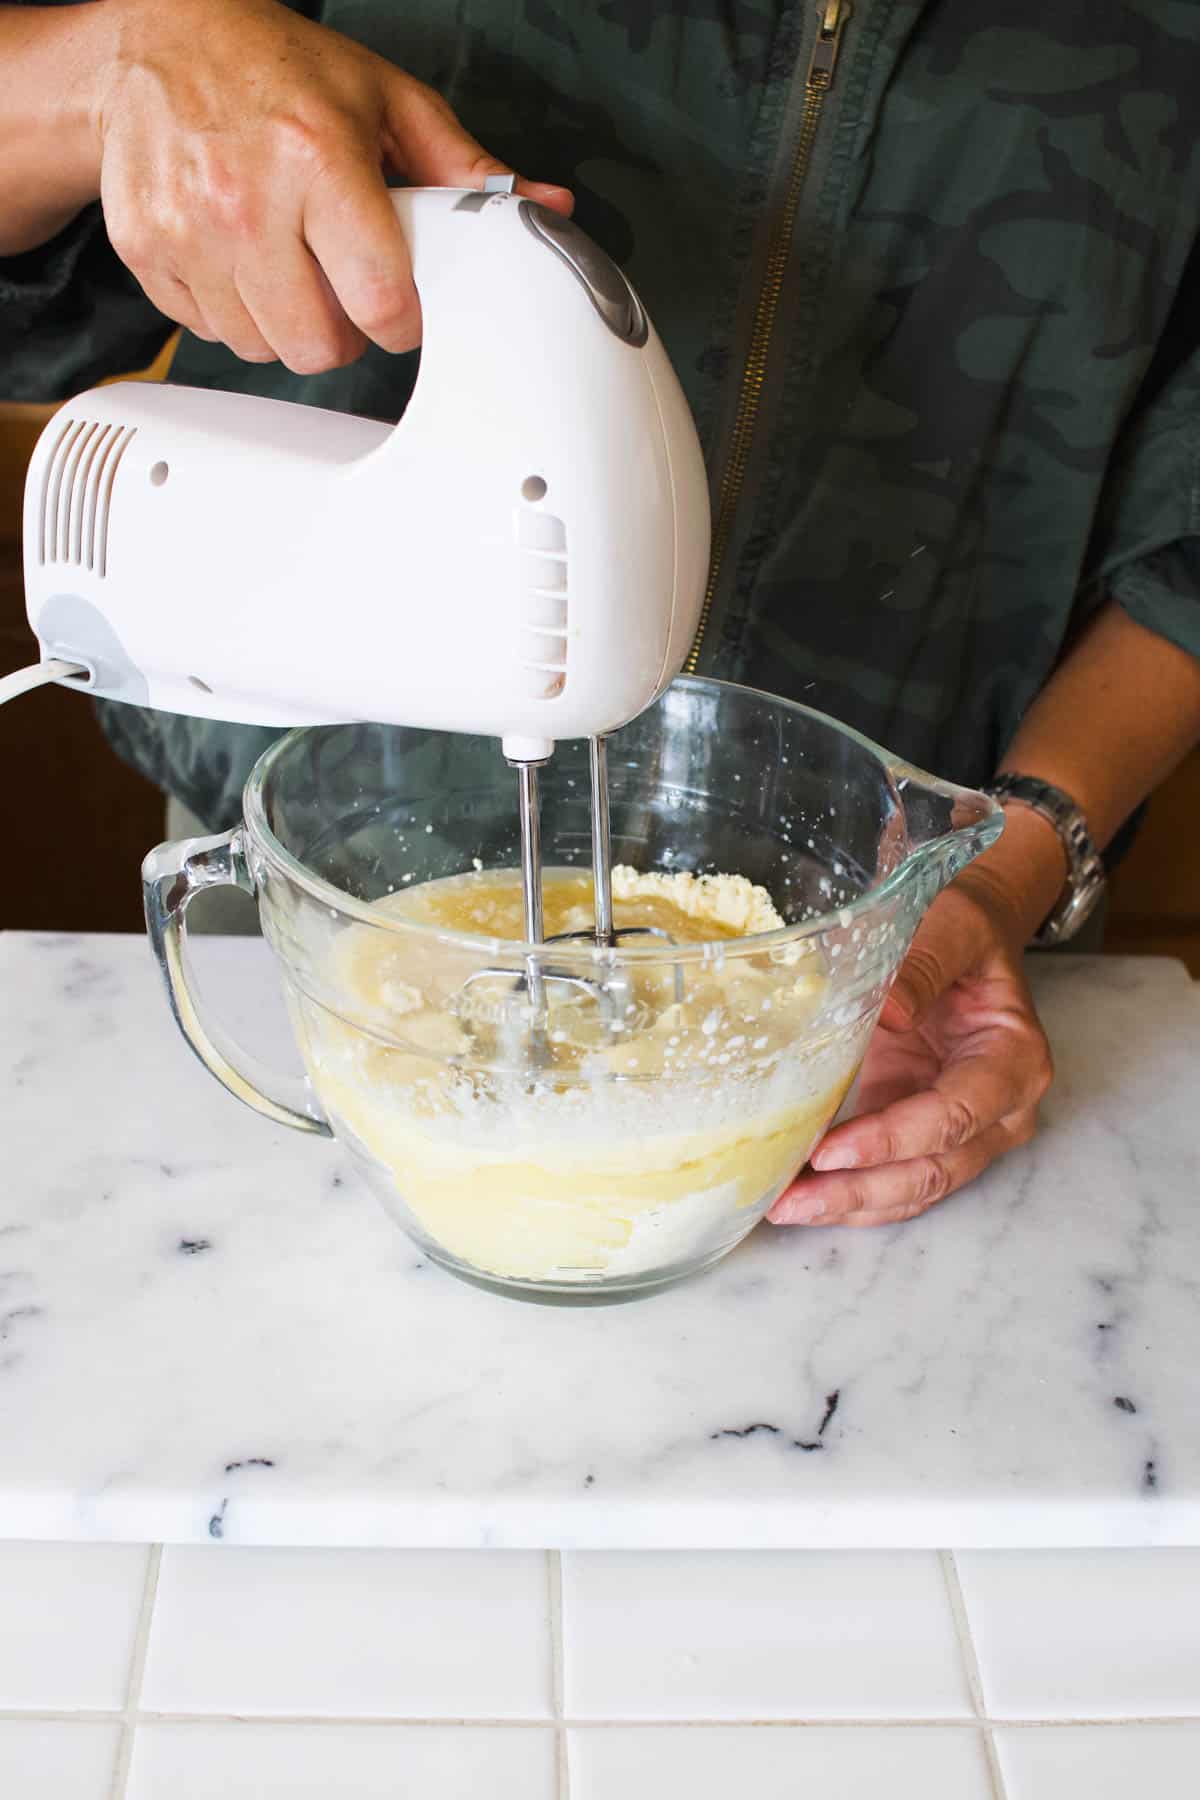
column 670, row 1092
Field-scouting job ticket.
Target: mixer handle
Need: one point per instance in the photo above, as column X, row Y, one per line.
column 172, row 876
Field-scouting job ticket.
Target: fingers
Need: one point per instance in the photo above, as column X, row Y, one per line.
column 999, row 1079
column 174, row 300
column 280, row 308
column 943, row 1097
column 945, row 946
column 243, row 180
column 559, row 199
column 253, row 206
column 225, row 315
column 962, row 931
column 893, row 1192
column 351, row 228
column 429, row 147
column 350, row 225
column 287, row 295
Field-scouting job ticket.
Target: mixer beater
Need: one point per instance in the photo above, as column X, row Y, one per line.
column 609, row 992
column 607, row 934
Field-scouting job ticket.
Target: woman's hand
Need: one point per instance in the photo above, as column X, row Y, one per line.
column 954, row 1073
column 242, row 175
column 240, row 153
column 952, row 1077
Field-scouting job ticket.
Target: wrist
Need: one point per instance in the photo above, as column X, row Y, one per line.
column 50, row 139
column 87, row 49
column 1021, row 877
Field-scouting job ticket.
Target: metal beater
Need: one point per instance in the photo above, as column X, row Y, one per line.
column 610, row 994
column 606, row 933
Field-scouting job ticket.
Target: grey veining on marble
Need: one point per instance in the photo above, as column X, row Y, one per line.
column 208, row 1330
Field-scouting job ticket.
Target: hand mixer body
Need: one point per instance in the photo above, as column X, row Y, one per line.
column 522, row 555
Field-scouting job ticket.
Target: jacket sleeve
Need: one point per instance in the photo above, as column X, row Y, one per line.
column 70, row 313
column 1145, row 548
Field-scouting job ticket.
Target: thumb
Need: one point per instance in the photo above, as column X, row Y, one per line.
column 430, row 148
column 945, row 946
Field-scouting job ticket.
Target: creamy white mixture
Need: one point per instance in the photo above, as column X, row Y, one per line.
column 650, row 1137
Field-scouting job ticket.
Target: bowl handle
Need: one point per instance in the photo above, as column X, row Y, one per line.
column 171, row 875
column 948, row 826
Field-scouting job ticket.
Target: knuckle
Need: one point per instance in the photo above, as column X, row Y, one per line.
column 230, row 204
column 172, row 223
column 1042, row 1070
column 388, row 310
column 1023, row 1127
column 301, row 139
column 235, row 215
column 888, row 1146
column 934, row 1182
column 959, row 1125
column 419, row 94
column 852, row 1199
column 255, row 353
column 169, row 233
column 923, row 973
column 132, row 241
column 317, row 349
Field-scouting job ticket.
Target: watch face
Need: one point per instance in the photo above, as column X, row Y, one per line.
column 1086, row 881
column 1073, row 910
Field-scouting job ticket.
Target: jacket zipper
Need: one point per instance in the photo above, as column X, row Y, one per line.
column 831, row 17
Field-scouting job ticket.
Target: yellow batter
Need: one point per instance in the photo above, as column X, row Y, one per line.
column 634, row 1141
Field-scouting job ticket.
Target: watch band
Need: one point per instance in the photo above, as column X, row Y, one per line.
column 1085, row 870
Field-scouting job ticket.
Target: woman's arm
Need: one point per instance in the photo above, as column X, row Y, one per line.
column 954, row 1076
column 49, row 156
column 1119, row 713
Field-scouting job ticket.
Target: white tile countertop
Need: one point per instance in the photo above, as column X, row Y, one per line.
column 210, row 1331
column 188, row 1673
column 210, row 1335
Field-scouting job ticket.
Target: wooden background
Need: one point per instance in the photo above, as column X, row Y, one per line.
column 75, row 822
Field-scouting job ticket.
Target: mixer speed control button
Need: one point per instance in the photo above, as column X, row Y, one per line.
column 597, row 273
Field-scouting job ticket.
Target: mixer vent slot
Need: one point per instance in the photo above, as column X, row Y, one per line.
column 544, row 637
column 77, row 492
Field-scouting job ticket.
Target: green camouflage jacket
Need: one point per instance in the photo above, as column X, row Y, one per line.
column 929, row 277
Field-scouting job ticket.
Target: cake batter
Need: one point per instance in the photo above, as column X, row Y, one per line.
column 650, row 1134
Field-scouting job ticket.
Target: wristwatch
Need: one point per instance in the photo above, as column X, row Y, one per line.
column 1085, row 870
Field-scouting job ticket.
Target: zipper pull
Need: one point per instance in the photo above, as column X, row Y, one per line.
column 831, row 16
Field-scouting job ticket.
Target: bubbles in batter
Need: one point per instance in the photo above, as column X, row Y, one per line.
column 645, row 1122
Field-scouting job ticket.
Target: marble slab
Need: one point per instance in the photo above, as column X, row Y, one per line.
column 210, row 1332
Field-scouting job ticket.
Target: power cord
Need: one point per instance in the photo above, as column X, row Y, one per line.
column 36, row 675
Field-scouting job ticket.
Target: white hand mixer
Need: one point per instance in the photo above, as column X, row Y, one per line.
column 523, row 555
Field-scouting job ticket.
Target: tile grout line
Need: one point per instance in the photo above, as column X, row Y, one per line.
column 91, row 1715
column 137, row 1670
column 970, row 1660
column 554, row 1587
